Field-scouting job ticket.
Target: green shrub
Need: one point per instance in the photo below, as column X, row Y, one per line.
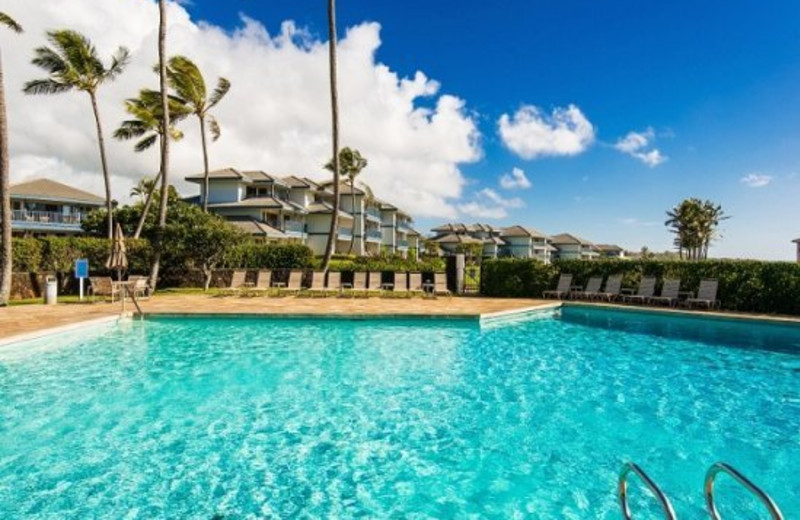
column 27, row 255
column 258, row 255
column 744, row 285
column 387, row 264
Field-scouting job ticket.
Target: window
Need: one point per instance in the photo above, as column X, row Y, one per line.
column 254, row 191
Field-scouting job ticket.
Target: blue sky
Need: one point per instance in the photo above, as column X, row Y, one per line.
column 709, row 90
column 717, row 81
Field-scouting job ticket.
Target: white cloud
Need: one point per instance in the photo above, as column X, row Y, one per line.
column 639, row 146
column 531, row 133
column 632, row 221
column 489, row 204
column 756, row 180
column 276, row 117
column 515, row 179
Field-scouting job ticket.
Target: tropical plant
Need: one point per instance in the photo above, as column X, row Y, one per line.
column 143, row 188
column 350, row 165
column 73, row 63
column 146, row 126
column 189, row 85
column 6, row 250
column 165, row 125
column 695, row 224
column 335, row 134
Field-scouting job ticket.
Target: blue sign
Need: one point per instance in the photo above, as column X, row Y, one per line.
column 82, row 268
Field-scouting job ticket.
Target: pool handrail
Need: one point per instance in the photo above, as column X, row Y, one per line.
column 622, row 491
column 721, row 467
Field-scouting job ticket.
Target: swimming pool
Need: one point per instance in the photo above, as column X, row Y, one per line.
column 427, row 418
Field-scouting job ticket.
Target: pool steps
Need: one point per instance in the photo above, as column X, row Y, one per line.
column 708, row 488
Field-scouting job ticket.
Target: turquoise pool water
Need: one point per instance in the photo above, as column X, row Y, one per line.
column 262, row 418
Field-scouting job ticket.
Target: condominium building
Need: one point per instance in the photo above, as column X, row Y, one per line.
column 46, row 207
column 571, row 247
column 514, row 241
column 298, row 209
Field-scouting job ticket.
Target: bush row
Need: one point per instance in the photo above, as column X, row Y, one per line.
column 58, row 254
column 744, row 285
column 387, row 264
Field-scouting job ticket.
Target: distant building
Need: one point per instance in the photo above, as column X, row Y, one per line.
column 297, row 209
column 571, row 247
column 797, row 241
column 514, row 241
column 611, row 251
column 46, row 207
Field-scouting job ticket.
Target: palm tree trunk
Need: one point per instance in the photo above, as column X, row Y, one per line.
column 335, row 126
column 205, row 163
column 104, row 164
column 6, row 257
column 355, row 216
column 148, row 201
column 162, row 209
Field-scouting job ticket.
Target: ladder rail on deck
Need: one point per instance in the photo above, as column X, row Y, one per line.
column 627, row 469
column 721, row 467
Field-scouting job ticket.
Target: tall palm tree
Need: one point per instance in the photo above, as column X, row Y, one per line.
column 335, row 130
column 351, row 163
column 144, row 188
column 165, row 125
column 6, row 258
column 694, row 223
column 73, row 63
column 146, row 126
column 189, row 85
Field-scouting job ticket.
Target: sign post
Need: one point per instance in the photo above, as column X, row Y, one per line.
column 81, row 273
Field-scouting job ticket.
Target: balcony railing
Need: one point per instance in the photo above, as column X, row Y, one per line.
column 292, row 226
column 46, row 218
column 345, row 232
column 374, row 234
column 403, row 244
column 374, row 213
column 404, row 226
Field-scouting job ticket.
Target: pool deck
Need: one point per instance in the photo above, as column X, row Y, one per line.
column 25, row 321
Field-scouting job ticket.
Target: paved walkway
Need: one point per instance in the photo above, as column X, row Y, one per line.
column 27, row 319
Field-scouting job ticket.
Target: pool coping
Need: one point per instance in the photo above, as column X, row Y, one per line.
column 51, row 331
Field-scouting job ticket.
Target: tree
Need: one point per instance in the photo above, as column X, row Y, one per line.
column 189, row 85
column 146, row 126
column 6, row 254
column 165, row 125
column 335, row 131
column 695, row 225
column 73, row 63
column 144, row 188
column 350, row 165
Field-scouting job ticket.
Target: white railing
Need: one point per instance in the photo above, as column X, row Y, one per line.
column 292, row 226
column 45, row 217
column 345, row 232
column 374, row 234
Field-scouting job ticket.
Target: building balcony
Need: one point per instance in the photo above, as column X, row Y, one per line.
column 345, row 233
column 373, row 214
column 294, row 228
column 374, row 235
column 402, row 244
column 45, row 221
column 404, row 227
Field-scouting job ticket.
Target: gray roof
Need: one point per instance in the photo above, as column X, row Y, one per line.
column 253, row 176
column 453, row 238
column 568, row 239
column 324, row 207
column 54, row 191
column 609, row 247
column 255, row 227
column 522, row 231
column 450, row 228
column 260, row 202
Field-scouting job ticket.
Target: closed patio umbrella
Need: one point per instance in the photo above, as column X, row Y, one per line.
column 118, row 261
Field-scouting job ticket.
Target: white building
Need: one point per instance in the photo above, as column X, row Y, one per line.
column 297, row 209
column 514, row 241
column 571, row 247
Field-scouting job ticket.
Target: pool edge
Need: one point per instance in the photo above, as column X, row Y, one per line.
column 50, row 331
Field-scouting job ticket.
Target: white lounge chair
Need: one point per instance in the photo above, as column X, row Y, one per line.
column 647, row 287
column 592, row 289
column 317, row 284
column 562, row 289
column 706, row 295
column 612, row 289
column 295, row 284
column 669, row 292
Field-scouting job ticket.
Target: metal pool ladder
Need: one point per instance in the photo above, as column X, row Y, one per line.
column 721, row 467
column 622, row 491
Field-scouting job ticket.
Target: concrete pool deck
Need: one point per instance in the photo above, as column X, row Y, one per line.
column 25, row 321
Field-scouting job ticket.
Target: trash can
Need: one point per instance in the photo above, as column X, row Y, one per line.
column 51, row 290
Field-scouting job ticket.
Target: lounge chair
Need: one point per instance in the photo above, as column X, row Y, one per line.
column 295, row 284
column 317, row 284
column 612, row 288
column 440, row 284
column 359, row 284
column 103, row 286
column 647, row 287
column 375, row 282
column 706, row 295
column 400, row 284
column 562, row 289
column 238, row 281
column 141, row 286
column 415, row 283
column 335, row 281
column 592, row 289
column 263, row 281
column 669, row 292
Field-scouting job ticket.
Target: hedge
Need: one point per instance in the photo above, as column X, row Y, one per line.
column 744, row 285
column 258, row 255
column 58, row 254
column 388, row 264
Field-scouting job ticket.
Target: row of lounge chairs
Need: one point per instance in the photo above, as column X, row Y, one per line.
column 612, row 290
column 364, row 284
column 105, row 287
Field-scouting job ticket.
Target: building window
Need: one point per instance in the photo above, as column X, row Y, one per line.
column 254, row 191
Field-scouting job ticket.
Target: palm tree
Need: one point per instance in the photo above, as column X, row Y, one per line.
column 73, row 63
column 144, row 188
column 146, row 126
column 694, row 223
column 165, row 125
column 6, row 258
column 335, row 129
column 351, row 163
column 188, row 83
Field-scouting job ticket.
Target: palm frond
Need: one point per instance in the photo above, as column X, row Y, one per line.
column 10, row 23
column 146, row 143
column 213, row 126
column 187, row 81
column 49, row 60
column 119, row 61
column 46, row 86
column 223, row 86
column 130, row 129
